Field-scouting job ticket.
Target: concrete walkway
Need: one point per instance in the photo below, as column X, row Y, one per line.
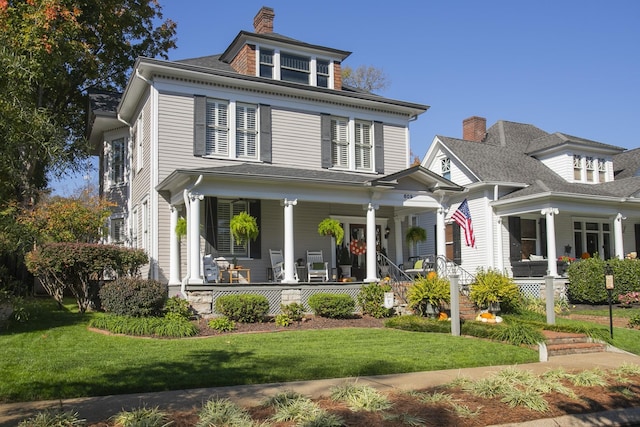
column 95, row 409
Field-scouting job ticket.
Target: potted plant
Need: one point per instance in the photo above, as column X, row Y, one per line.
column 244, row 227
column 344, row 261
column 331, row 227
column 181, row 227
column 491, row 287
column 429, row 293
column 415, row 234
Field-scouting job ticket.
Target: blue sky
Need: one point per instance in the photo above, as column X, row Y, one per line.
column 570, row 66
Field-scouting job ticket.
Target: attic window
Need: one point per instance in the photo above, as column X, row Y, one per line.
column 445, row 168
column 602, row 170
column 590, row 169
column 294, row 68
column 577, row 167
column 266, row 63
column 322, row 70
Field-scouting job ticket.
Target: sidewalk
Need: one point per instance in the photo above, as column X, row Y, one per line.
column 95, row 409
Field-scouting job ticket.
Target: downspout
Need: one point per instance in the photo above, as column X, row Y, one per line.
column 185, row 196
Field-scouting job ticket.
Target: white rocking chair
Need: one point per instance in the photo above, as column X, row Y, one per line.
column 317, row 267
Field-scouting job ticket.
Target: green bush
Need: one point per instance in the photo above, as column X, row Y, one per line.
column 56, row 418
column 131, row 296
column 335, row 306
column 222, row 324
column 294, row 311
column 145, row 326
column 586, row 279
column 371, row 300
column 634, row 321
column 245, row 308
column 177, row 308
column 492, row 286
column 431, row 289
column 417, row 324
column 517, row 334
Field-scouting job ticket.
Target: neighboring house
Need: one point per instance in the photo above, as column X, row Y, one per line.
column 534, row 197
column 265, row 127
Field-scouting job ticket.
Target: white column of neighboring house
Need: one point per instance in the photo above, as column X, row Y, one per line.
column 193, row 225
column 372, row 264
column 174, row 249
column 289, row 256
column 550, row 214
column 397, row 234
column 500, row 258
column 441, row 239
column 617, row 236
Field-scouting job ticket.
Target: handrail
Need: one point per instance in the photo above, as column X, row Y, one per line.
column 446, row 267
column 397, row 277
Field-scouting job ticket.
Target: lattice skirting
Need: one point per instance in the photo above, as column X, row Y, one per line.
column 203, row 301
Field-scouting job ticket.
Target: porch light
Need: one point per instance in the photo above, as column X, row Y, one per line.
column 567, row 249
column 387, row 231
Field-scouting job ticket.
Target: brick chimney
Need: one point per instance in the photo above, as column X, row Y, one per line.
column 474, row 129
column 263, row 22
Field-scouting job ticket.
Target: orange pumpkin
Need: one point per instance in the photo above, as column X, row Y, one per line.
column 432, row 275
column 443, row 316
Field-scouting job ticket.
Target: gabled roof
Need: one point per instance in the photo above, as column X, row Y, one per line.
column 101, row 115
column 516, row 136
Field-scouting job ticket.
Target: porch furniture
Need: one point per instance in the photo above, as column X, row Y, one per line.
column 277, row 264
column 317, row 267
column 210, row 269
column 420, row 267
column 239, row 275
column 528, row 268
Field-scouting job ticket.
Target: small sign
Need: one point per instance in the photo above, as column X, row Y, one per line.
column 608, row 282
column 388, row 300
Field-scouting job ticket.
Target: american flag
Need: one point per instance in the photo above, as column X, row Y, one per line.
column 463, row 218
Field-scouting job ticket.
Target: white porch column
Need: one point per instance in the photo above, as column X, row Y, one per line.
column 174, row 249
column 552, row 266
column 397, row 236
column 441, row 248
column 372, row 263
column 289, row 257
column 617, row 236
column 193, row 226
column 500, row 258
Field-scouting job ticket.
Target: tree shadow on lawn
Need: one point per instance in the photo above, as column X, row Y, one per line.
column 44, row 314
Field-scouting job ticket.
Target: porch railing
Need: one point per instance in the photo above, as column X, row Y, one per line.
column 446, row 267
column 398, row 279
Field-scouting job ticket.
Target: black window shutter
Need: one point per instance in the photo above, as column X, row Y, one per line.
column 515, row 246
column 636, row 228
column 199, row 125
column 210, row 224
column 255, row 247
column 457, row 244
column 325, row 140
column 435, row 239
column 265, row 133
column 378, row 141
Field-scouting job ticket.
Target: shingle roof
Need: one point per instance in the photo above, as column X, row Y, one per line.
column 211, row 61
column 558, row 138
column 104, row 102
column 516, row 136
column 626, row 164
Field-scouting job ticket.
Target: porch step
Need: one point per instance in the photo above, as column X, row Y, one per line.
column 468, row 309
column 561, row 343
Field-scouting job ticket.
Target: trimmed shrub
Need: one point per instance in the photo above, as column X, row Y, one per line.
column 134, row 297
column 144, row 326
column 293, row 311
column 586, row 279
column 415, row 323
column 335, row 306
column 245, row 308
column 492, row 286
column 222, row 324
column 371, row 300
column 431, row 289
column 177, row 308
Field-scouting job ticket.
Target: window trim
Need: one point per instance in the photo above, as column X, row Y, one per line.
column 111, row 162
column 360, row 146
column 277, row 67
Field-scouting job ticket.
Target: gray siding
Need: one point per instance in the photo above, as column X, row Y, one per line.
column 395, row 149
column 296, row 139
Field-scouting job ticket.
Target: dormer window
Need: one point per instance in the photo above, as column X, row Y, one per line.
column 322, row 70
column 602, row 170
column 577, row 167
column 591, row 167
column 294, row 68
column 266, row 63
column 445, row 168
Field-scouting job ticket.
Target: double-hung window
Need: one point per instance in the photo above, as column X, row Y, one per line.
column 227, row 209
column 602, row 170
column 117, row 158
column 577, row 167
column 246, row 131
column 363, row 145
column 217, row 129
column 590, row 169
column 294, row 68
column 266, row 63
column 117, row 230
column 322, row 73
column 340, row 142
column 139, row 141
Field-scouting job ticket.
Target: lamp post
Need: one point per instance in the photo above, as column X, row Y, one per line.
column 608, row 284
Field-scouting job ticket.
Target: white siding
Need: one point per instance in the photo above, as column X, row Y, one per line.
column 561, row 163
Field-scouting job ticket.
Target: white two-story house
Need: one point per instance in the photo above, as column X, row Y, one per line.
column 535, row 197
column 265, row 127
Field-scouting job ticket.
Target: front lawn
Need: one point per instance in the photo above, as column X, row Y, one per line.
column 55, row 356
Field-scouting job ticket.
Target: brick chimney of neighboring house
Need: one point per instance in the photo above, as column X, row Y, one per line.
column 263, row 22
column 474, row 129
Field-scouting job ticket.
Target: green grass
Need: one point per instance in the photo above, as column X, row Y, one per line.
column 624, row 313
column 54, row 355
